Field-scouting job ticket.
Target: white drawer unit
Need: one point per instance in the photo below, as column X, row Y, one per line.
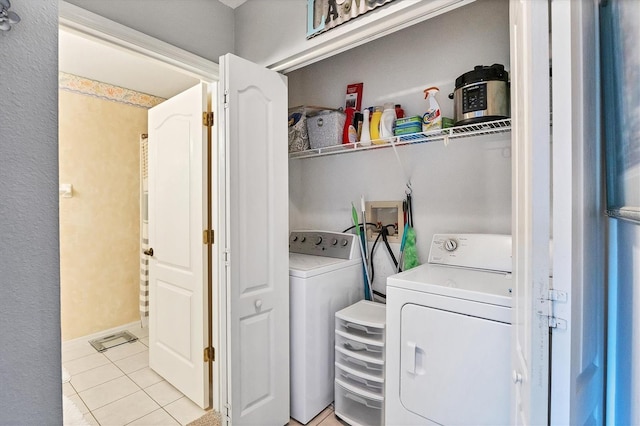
column 359, row 363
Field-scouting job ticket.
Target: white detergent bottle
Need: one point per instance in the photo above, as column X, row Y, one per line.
column 387, row 120
column 432, row 119
column 365, row 136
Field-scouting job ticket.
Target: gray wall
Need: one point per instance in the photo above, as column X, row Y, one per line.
column 202, row 27
column 30, row 389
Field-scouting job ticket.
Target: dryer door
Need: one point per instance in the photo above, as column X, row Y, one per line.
column 454, row 368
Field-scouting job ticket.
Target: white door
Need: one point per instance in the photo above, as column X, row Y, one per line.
column 577, row 362
column 178, row 330
column 530, row 208
column 254, row 164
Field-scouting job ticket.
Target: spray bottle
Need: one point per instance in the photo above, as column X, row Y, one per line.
column 432, row 119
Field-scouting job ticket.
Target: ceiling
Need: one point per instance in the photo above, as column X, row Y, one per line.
column 94, row 60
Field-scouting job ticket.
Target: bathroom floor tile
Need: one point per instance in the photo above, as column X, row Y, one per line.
column 106, row 393
column 125, row 410
column 91, row 420
column 95, row 377
column 85, row 363
column 125, row 350
column 157, row 418
column 133, row 363
column 68, row 390
column 76, row 350
column 184, row 410
column 145, row 377
column 79, row 403
column 332, row 420
column 145, row 341
column 163, row 393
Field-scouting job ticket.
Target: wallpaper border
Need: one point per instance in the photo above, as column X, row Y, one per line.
column 97, row 89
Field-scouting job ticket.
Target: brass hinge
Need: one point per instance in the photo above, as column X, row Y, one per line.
column 207, row 119
column 208, row 236
column 209, row 354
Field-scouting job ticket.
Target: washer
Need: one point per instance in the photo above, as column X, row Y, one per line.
column 325, row 276
column 449, row 333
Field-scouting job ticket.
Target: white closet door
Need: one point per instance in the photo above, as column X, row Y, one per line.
column 530, row 209
column 255, row 164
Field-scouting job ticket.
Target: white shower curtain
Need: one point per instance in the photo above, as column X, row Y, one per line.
column 144, row 229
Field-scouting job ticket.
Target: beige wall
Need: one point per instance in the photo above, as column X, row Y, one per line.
column 99, row 226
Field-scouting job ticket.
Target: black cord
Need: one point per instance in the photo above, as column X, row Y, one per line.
column 377, row 293
column 360, row 225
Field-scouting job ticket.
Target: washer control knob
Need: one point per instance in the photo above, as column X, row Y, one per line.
column 344, row 242
column 294, row 238
column 303, row 239
column 318, row 240
column 450, row 245
column 334, row 241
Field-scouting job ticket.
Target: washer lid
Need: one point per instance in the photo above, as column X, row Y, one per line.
column 306, row 266
column 469, row 284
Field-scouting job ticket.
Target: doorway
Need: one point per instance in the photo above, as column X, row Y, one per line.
column 105, row 92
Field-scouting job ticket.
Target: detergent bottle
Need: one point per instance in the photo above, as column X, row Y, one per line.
column 432, row 119
column 374, row 127
column 387, row 120
column 365, row 136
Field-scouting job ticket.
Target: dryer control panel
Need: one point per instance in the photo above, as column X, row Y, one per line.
column 478, row 251
column 324, row 243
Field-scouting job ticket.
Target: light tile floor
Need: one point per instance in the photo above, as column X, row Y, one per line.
column 117, row 388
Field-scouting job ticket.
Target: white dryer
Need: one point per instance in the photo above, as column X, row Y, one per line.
column 448, row 335
column 325, row 276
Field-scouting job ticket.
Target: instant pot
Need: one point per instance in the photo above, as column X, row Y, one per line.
column 481, row 95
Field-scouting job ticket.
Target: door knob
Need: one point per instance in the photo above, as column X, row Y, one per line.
column 516, row 377
column 149, row 251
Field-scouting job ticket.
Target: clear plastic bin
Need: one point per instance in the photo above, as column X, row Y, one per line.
column 363, row 348
column 360, row 364
column 358, row 408
column 355, row 379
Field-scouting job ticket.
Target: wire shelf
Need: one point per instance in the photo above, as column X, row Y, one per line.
column 470, row 130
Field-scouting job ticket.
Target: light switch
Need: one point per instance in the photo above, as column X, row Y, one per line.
column 66, row 190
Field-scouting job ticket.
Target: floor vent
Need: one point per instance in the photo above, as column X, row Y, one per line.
column 112, row 340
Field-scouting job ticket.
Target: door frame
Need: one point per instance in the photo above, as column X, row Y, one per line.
column 97, row 28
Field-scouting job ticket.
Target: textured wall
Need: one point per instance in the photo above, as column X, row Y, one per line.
column 203, row 27
column 30, row 375
column 99, row 225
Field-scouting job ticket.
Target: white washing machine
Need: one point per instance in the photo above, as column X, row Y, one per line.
column 449, row 333
column 325, row 276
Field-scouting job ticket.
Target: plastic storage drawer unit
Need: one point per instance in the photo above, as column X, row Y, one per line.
column 359, row 363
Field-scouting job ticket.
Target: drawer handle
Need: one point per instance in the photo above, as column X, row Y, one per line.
column 360, row 400
column 364, row 364
column 364, row 381
column 355, row 347
column 359, row 327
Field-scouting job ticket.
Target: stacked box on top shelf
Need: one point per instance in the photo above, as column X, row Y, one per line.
column 359, row 362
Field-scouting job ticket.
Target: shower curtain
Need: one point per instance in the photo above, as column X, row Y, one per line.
column 144, row 229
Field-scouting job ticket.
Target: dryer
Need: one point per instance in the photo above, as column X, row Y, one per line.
column 325, row 276
column 449, row 335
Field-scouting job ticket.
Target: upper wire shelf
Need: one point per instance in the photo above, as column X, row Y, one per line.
column 469, row 130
